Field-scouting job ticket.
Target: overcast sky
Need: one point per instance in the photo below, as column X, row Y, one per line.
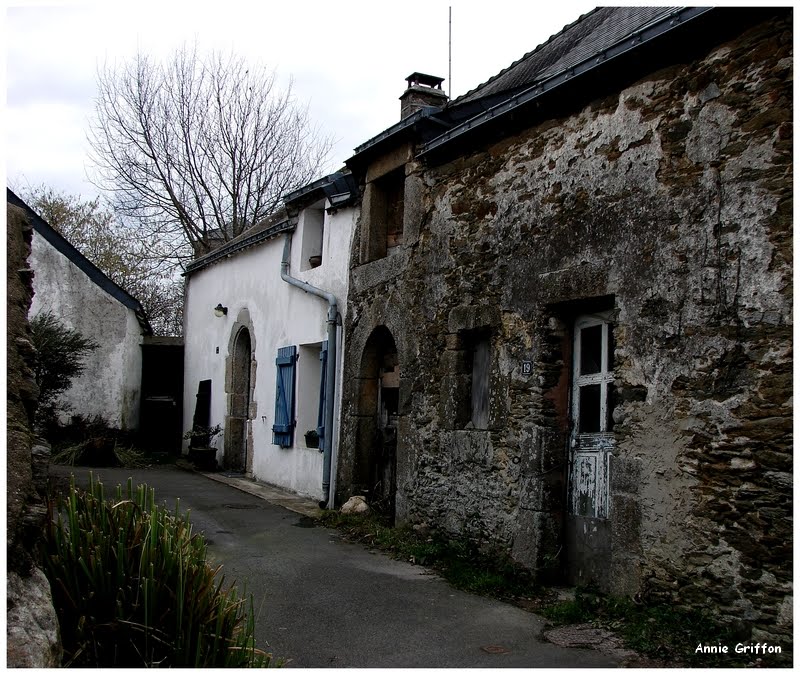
column 349, row 60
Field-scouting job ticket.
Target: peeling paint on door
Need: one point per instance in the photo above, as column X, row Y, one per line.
column 590, row 464
column 592, row 441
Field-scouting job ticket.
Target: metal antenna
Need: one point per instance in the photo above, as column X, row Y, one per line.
column 450, row 51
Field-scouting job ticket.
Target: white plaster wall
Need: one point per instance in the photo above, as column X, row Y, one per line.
column 281, row 315
column 110, row 385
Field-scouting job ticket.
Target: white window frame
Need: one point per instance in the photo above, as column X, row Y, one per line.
column 603, row 378
column 591, row 452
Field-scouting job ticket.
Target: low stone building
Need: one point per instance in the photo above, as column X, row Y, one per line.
column 569, row 329
column 76, row 292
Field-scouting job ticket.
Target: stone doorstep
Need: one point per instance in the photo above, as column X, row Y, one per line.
column 269, row 493
column 586, row 636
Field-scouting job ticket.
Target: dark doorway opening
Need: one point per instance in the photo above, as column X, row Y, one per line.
column 375, row 469
column 202, row 414
column 161, row 419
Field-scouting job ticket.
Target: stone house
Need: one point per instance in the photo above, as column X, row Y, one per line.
column 262, row 340
column 568, row 333
column 74, row 290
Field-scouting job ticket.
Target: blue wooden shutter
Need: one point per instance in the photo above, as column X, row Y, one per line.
column 323, row 380
column 283, row 429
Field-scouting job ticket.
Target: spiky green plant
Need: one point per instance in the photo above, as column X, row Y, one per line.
column 60, row 354
column 132, row 587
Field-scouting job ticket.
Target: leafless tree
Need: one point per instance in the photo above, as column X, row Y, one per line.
column 200, row 148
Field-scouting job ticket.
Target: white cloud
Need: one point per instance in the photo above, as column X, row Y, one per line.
column 349, row 59
column 42, row 147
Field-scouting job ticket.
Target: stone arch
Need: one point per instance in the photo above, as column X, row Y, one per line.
column 388, row 313
column 377, row 421
column 240, row 382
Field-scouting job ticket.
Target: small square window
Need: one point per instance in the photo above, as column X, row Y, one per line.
column 593, row 391
column 313, row 223
column 384, row 231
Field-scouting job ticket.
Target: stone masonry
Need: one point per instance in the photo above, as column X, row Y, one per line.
column 669, row 204
column 32, row 626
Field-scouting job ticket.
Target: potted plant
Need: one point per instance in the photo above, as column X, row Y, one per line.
column 201, row 452
column 312, row 438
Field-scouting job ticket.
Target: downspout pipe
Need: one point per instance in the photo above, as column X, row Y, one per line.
column 330, row 373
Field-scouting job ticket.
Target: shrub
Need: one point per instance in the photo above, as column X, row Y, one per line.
column 131, row 586
column 200, row 436
column 60, row 351
column 96, row 452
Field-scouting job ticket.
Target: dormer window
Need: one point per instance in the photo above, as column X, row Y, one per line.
column 313, row 224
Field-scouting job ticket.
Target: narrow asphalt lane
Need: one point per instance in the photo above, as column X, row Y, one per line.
column 324, row 602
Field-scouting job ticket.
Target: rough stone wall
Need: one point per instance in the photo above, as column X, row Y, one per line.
column 22, row 392
column 672, row 201
column 32, row 626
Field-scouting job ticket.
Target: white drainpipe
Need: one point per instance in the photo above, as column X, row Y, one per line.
column 330, row 375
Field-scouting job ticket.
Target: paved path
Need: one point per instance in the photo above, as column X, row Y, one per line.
column 322, row 601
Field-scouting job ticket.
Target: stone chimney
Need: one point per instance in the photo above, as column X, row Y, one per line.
column 423, row 91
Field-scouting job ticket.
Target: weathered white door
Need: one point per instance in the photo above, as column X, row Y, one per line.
column 592, row 440
column 588, row 532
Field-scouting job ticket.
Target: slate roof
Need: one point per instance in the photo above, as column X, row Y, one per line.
column 605, row 36
column 592, row 33
column 334, row 185
column 600, row 35
column 269, row 227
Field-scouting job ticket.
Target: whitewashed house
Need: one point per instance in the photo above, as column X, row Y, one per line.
column 75, row 291
column 263, row 340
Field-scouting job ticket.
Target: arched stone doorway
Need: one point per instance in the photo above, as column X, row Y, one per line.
column 375, row 467
column 239, row 389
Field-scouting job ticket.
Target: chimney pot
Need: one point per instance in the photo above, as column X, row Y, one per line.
column 423, row 91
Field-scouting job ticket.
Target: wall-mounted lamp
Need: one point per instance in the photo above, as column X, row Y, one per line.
column 219, row 310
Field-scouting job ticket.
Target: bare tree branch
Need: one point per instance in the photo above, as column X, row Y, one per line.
column 200, row 148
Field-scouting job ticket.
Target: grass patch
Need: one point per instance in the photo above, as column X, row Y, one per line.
column 92, row 442
column 461, row 562
column 658, row 631
column 87, row 453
